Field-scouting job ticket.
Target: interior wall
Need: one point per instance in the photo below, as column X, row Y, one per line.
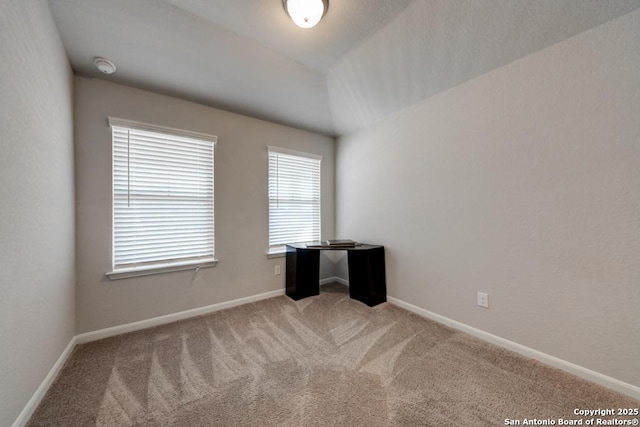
column 522, row 183
column 241, row 207
column 37, row 253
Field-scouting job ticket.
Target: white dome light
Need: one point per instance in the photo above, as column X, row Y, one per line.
column 306, row 13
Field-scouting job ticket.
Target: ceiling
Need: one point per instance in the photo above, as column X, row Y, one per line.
column 366, row 60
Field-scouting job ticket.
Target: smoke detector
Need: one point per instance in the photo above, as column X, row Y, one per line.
column 104, row 65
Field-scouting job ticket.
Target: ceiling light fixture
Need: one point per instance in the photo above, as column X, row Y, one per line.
column 104, row 65
column 306, row 13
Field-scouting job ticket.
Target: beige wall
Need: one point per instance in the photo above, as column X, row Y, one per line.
column 241, row 216
column 36, row 202
column 523, row 183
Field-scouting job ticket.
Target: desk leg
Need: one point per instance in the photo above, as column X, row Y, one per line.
column 367, row 276
column 303, row 273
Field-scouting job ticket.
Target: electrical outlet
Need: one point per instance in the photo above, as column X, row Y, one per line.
column 483, row 299
column 277, row 270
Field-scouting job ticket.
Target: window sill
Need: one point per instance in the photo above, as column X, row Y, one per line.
column 125, row 273
column 277, row 253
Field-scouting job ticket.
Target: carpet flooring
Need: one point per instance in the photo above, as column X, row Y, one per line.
column 321, row 361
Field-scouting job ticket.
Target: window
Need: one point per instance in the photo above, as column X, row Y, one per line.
column 294, row 198
column 162, row 199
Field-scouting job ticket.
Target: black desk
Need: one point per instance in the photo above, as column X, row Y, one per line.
column 367, row 281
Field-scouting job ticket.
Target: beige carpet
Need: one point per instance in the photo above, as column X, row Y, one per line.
column 322, row 361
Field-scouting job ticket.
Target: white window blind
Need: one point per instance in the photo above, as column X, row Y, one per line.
column 162, row 196
column 294, row 198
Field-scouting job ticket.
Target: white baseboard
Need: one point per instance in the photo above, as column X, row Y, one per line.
column 334, row 279
column 173, row 317
column 577, row 370
column 572, row 368
column 35, row 400
column 341, row 281
column 33, row 403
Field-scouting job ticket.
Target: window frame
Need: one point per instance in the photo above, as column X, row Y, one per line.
column 277, row 251
column 159, row 266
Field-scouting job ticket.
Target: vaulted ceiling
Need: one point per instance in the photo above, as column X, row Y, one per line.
column 366, row 60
